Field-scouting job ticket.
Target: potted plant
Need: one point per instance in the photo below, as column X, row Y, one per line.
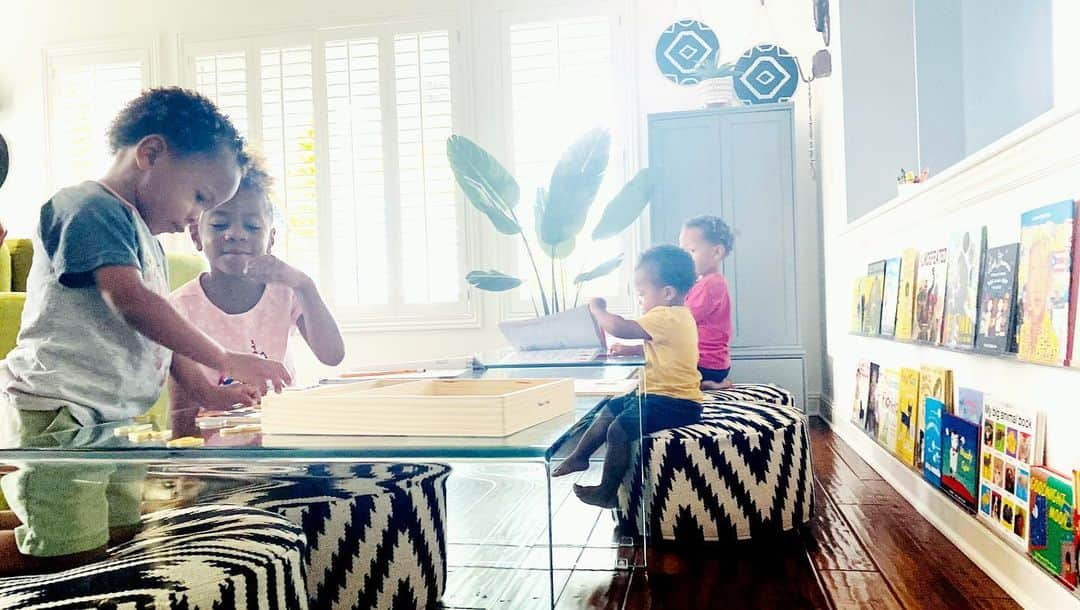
column 560, row 212
column 717, row 86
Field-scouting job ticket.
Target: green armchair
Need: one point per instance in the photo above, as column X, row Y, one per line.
column 16, row 255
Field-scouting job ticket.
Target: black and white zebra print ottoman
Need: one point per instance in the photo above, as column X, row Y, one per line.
column 376, row 531
column 744, row 471
column 198, row 558
column 755, row 392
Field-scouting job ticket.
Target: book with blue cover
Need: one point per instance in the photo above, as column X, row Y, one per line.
column 1044, row 283
column 890, row 297
column 933, row 409
column 960, row 460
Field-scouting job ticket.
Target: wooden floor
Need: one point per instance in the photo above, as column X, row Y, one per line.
column 867, row 548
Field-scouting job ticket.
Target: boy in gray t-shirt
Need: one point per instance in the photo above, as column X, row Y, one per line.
column 97, row 331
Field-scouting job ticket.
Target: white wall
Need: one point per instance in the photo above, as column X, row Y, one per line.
column 51, row 22
column 1036, row 165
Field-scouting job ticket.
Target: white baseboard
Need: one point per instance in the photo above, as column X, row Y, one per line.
column 813, row 403
column 1013, row 571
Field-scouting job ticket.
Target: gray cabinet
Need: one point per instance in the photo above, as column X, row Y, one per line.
column 738, row 163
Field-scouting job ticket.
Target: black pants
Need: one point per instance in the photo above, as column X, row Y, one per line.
column 661, row 412
column 716, row 375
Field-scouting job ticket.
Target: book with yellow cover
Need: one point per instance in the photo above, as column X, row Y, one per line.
column 887, row 407
column 1043, row 283
column 905, row 307
column 934, row 382
column 907, row 416
column 858, row 306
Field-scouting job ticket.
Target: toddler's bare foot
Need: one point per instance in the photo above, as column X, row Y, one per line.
column 712, row 385
column 570, row 465
column 595, row 495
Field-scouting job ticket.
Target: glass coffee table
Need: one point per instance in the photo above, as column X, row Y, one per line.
column 514, row 535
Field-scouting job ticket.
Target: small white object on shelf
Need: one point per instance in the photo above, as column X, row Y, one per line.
column 445, row 407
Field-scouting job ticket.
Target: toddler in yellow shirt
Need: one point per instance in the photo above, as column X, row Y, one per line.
column 671, row 394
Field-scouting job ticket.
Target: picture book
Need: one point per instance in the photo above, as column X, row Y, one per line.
column 873, row 397
column 907, row 416
column 969, row 404
column 888, row 408
column 1043, row 283
column 857, row 307
column 930, row 295
column 960, row 460
column 1052, row 542
column 1012, row 442
column 997, row 299
column 862, row 396
column 933, row 410
column 866, row 292
column 876, row 272
column 962, row 288
column 905, row 306
column 934, row 382
column 890, row 294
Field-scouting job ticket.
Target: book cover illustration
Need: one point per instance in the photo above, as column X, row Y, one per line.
column 969, row 404
column 858, row 305
column 1052, row 542
column 862, row 394
column 873, row 396
column 876, row 272
column 1012, row 442
column 866, row 291
column 888, row 408
column 934, row 382
column 930, row 295
column 905, row 307
column 933, row 410
column 907, row 427
column 997, row 299
column 962, row 288
column 890, row 296
column 960, row 460
column 1043, row 283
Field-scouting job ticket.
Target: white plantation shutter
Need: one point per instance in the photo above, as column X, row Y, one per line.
column 288, row 141
column 85, row 95
column 561, row 86
column 357, row 182
column 429, row 219
column 223, row 78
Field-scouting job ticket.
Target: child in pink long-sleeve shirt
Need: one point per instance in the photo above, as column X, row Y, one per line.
column 709, row 240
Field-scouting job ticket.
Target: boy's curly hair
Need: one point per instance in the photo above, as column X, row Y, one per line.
column 714, row 230
column 189, row 122
column 670, row 266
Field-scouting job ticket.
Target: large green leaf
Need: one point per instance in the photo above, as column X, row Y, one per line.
column 625, row 208
column 492, row 281
column 485, row 182
column 574, row 185
column 558, row 251
column 600, row 270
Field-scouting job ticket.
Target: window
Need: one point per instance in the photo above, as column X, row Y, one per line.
column 561, row 86
column 85, row 90
column 354, row 129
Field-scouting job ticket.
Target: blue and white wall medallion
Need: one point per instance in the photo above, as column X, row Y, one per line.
column 683, row 47
column 766, row 74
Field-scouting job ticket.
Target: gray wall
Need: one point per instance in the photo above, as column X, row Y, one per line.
column 1008, row 66
column 879, row 99
column 940, row 72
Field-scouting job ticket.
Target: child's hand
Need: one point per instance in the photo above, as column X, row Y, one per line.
column 597, row 304
column 226, row 397
column 255, row 371
column 619, row 349
column 269, row 269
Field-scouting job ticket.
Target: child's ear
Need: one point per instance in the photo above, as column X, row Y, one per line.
column 149, row 150
column 196, row 238
column 270, row 243
column 670, row 294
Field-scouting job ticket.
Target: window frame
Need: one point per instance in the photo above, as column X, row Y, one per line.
column 465, row 313
column 83, row 54
column 515, row 304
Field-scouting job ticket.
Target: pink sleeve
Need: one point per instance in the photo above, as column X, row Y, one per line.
column 706, row 298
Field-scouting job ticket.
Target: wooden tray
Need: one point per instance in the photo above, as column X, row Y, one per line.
column 444, row 407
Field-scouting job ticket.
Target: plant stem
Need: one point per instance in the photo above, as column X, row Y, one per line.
column 554, row 287
column 577, row 293
column 532, row 260
column 536, row 311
